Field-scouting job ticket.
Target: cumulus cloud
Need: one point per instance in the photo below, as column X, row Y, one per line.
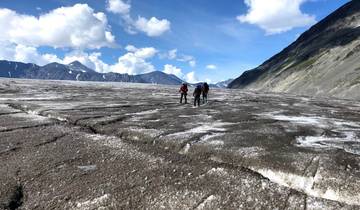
column 144, row 53
column 170, row 69
column 22, row 53
column 91, row 60
column 191, row 77
column 151, row 27
column 211, row 67
column 276, row 16
column 118, row 7
column 74, row 27
column 134, row 62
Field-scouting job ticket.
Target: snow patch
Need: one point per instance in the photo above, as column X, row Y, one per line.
column 321, row 122
column 57, row 118
column 87, row 168
column 185, row 149
column 217, row 171
column 77, row 77
column 207, row 201
column 349, row 142
column 32, row 115
column 30, row 99
column 307, row 185
column 150, row 132
column 95, row 203
column 216, row 143
column 207, row 137
column 154, row 111
column 205, row 128
column 295, row 119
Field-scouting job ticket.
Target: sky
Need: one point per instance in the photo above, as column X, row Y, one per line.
column 197, row 40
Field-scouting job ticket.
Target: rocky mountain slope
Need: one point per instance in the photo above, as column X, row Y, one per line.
column 323, row 61
column 77, row 71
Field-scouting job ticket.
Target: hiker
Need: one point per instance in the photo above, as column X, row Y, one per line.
column 205, row 91
column 183, row 90
column 197, row 94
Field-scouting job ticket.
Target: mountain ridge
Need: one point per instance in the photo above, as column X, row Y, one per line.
column 325, row 52
column 79, row 72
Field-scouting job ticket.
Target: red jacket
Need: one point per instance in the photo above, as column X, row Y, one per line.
column 183, row 89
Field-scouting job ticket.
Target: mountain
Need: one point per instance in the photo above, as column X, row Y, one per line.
column 16, row 69
column 77, row 66
column 322, row 61
column 223, row 84
column 158, row 76
column 78, row 71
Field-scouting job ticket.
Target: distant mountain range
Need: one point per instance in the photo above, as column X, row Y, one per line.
column 77, row 71
column 323, row 61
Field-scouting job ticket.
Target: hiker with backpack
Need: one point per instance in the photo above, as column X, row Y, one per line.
column 183, row 90
column 197, row 94
column 205, row 91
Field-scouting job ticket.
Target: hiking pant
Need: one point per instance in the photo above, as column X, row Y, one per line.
column 197, row 100
column 205, row 96
column 183, row 95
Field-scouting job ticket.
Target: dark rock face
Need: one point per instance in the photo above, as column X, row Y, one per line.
column 326, row 52
column 16, row 69
column 77, row 66
column 79, row 72
column 155, row 77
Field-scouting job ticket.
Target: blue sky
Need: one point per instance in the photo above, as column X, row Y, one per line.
column 197, row 40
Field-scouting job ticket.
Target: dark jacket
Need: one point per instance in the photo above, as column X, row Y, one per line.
column 197, row 91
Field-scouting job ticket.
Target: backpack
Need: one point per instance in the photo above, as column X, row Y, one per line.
column 206, row 88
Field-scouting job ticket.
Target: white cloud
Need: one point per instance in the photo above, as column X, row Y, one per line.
column 75, row 27
column 134, row 62
column 211, row 67
column 170, row 69
column 191, row 77
column 192, row 63
column 118, row 7
column 144, row 53
column 91, row 60
column 173, row 55
column 153, row 26
column 187, row 58
column 276, row 16
column 22, row 53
